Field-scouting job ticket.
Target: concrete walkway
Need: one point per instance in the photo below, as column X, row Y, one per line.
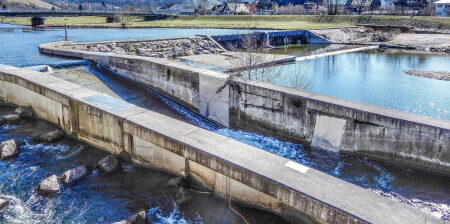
column 236, row 61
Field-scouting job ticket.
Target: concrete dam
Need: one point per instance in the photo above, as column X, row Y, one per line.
column 223, row 164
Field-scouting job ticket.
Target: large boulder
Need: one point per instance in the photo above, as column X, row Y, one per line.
column 74, row 175
column 51, row 136
column 8, row 149
column 49, row 186
column 11, row 118
column 46, row 68
column 109, row 164
column 138, row 218
column 3, row 203
column 24, row 112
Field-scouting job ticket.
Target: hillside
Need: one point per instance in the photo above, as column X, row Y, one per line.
column 25, row 4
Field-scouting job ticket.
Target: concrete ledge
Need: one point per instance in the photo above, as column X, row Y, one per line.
column 335, row 52
column 392, row 136
column 228, row 167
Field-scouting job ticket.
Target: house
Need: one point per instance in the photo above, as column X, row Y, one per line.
column 267, row 12
column 230, row 9
column 177, row 9
column 411, row 4
column 358, row 6
column 251, row 5
column 442, row 8
column 310, row 5
column 387, row 4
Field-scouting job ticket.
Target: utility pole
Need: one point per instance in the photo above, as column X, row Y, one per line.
column 65, row 31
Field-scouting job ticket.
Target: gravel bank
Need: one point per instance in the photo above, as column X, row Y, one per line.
column 425, row 42
column 430, row 74
column 175, row 47
column 344, row 35
column 419, row 41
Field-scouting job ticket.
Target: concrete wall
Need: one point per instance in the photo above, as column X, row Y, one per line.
column 341, row 125
column 275, row 38
column 194, row 88
column 230, row 168
column 331, row 123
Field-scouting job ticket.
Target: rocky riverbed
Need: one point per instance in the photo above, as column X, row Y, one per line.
column 168, row 48
column 61, row 180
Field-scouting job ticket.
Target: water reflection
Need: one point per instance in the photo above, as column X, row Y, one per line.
column 377, row 78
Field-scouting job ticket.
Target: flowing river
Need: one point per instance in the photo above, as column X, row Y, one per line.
column 106, row 199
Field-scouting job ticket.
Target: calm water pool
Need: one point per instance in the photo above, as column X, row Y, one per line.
column 377, row 77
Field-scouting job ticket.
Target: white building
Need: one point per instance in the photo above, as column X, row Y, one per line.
column 442, row 8
column 230, row 9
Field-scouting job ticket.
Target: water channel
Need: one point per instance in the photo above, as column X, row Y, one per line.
column 426, row 192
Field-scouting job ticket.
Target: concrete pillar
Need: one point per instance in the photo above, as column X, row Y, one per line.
column 37, row 21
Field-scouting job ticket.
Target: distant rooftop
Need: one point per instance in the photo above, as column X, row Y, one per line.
column 442, row 2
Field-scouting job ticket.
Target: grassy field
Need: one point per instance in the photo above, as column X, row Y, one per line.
column 24, row 4
column 265, row 22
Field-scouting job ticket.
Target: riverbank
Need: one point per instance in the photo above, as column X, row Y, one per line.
column 255, row 22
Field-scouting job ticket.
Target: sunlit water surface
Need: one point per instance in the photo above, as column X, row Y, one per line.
column 377, row 77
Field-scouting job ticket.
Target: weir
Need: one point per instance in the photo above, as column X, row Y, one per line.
column 388, row 135
column 224, row 165
column 275, row 38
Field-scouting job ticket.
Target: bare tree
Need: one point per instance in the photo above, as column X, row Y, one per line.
column 360, row 5
column 123, row 19
column 291, row 9
column 252, row 61
column 334, row 7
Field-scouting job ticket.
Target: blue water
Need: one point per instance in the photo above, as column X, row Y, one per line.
column 18, row 47
column 19, row 44
column 377, row 78
column 422, row 191
column 99, row 198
